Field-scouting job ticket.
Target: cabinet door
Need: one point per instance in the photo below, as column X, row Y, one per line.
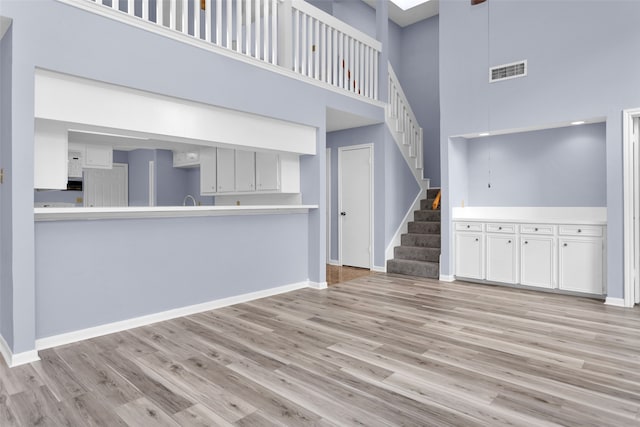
column 245, row 170
column 469, row 251
column 226, row 169
column 208, row 185
column 580, row 265
column 501, row 258
column 267, row 172
column 98, row 157
column 536, row 261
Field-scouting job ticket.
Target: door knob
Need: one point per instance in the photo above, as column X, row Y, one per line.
column 343, row 213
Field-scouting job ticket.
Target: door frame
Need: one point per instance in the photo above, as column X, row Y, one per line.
column 328, row 201
column 370, row 147
column 630, row 205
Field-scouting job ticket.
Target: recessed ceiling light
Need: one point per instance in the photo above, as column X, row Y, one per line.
column 483, row 134
column 408, row 4
column 579, row 122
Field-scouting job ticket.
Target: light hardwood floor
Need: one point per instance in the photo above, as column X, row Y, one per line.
column 378, row 350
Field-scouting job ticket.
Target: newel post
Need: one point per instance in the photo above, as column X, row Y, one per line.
column 285, row 34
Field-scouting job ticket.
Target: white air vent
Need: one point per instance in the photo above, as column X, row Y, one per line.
column 508, row 71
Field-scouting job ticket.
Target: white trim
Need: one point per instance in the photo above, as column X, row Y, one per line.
column 188, row 39
column 403, row 227
column 328, row 200
column 370, row 147
column 334, row 262
column 628, row 204
column 447, row 278
column 615, row 302
column 66, row 214
column 109, row 328
column 17, row 359
column 5, row 23
column 379, row 269
column 152, row 183
column 317, row 285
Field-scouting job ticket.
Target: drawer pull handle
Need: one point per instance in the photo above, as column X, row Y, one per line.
column 476, row 239
column 499, row 228
column 564, row 245
column 526, row 242
column 509, row 241
column 579, row 231
column 535, row 229
column 468, row 226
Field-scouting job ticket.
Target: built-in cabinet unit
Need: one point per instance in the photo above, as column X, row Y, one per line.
column 567, row 257
column 229, row 171
column 89, row 156
column 186, row 159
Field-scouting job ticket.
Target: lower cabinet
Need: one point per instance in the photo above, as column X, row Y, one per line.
column 580, row 266
column 536, row 261
column 469, row 255
column 552, row 256
column 502, row 258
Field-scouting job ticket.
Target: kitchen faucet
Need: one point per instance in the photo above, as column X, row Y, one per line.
column 189, row 196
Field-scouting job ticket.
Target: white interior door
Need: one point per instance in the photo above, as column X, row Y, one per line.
column 356, row 205
column 106, row 187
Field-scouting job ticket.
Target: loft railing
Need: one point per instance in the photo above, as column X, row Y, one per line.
column 288, row 33
column 402, row 120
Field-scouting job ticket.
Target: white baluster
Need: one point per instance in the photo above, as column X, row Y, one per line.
column 375, row 75
column 265, row 44
column 257, row 49
column 352, row 60
column 115, row 4
column 239, row 25
column 207, row 20
column 185, row 17
column 247, row 15
column 323, row 52
column 341, row 61
column 318, row 45
column 218, row 22
column 196, row 18
column 130, row 7
column 173, row 11
column 367, row 73
column 159, row 12
column 145, row 10
column 303, row 44
column 296, row 42
column 335, row 59
column 356, row 79
column 229, row 23
column 274, row 31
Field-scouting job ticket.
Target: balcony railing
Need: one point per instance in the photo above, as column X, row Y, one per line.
column 288, row 33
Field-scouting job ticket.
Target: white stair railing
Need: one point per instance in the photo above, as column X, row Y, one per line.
column 405, row 128
column 287, row 33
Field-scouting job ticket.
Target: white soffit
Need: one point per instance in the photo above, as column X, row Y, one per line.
column 410, row 16
column 341, row 120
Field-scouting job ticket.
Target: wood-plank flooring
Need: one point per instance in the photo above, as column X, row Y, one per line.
column 378, row 350
column 342, row 273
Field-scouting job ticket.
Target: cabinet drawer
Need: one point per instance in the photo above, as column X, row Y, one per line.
column 501, row 228
column 536, row 229
column 468, row 226
column 580, row 230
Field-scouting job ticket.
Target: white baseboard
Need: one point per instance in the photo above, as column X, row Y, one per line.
column 334, row 262
column 317, row 285
column 616, row 302
column 379, row 269
column 16, row 359
column 403, row 227
column 96, row 331
column 447, row 278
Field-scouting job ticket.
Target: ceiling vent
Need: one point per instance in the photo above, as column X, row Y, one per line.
column 508, row 71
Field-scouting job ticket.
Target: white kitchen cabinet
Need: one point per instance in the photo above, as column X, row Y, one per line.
column 208, row 167
column 267, row 172
column 580, row 264
column 98, row 157
column 245, row 173
column 536, row 261
column 501, row 258
column 226, row 170
column 469, row 255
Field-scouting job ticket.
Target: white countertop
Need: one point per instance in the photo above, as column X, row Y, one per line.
column 70, row 214
column 532, row 215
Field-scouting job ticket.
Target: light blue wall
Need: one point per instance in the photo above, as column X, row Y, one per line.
column 554, row 167
column 395, row 50
column 171, row 183
column 193, row 187
column 394, row 185
column 139, row 176
column 570, row 57
column 170, row 263
column 357, row 14
column 420, row 80
column 6, row 288
column 159, row 65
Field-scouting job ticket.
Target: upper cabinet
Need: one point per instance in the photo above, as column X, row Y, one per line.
column 89, row 156
column 226, row 170
column 245, row 172
column 267, row 172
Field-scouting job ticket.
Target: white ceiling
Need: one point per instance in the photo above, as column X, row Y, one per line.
column 407, row 17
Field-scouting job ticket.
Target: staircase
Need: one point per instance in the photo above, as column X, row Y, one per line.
column 419, row 253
